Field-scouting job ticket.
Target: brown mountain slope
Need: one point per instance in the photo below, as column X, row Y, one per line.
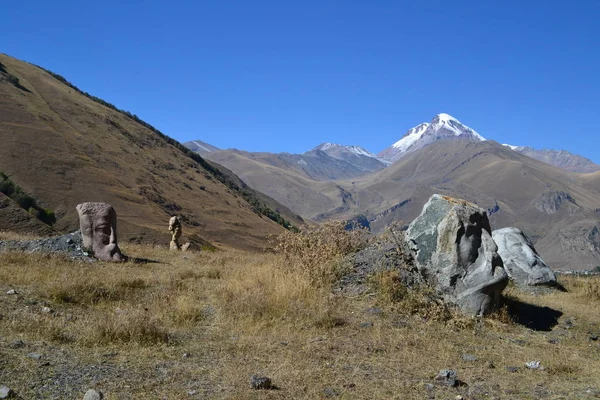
column 65, row 148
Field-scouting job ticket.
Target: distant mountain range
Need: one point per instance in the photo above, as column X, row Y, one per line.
column 442, row 126
column 327, row 161
column 535, row 190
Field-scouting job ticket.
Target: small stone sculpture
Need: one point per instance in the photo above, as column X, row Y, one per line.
column 453, row 249
column 175, row 229
column 98, row 223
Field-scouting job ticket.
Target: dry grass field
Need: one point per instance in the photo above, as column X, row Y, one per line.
column 172, row 325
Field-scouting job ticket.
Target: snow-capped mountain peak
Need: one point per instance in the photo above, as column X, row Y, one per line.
column 447, row 121
column 443, row 126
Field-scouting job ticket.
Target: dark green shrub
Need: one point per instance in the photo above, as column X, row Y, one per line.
column 25, row 201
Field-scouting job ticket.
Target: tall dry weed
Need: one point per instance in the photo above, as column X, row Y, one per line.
column 587, row 287
column 316, row 250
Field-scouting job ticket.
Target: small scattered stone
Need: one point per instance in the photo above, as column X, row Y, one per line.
column 593, row 337
column 553, row 341
column 46, row 310
column 192, row 392
column 429, row 386
column 366, row 325
column 374, row 310
column 477, row 391
column 35, row 356
column 283, row 343
column 568, row 324
column 260, row 382
column 513, row 369
column 349, row 386
column 329, row 392
column 448, row 377
column 490, row 365
column 11, row 292
column 459, row 397
column 93, row 395
column 17, row 344
column 533, row 365
column 6, row 393
column 469, row 357
column 186, row 355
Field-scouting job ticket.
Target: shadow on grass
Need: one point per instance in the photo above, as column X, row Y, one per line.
column 139, row 260
column 532, row 316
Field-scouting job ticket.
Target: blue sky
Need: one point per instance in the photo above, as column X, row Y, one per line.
column 287, row 75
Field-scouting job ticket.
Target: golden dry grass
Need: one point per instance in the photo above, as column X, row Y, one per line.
column 126, row 327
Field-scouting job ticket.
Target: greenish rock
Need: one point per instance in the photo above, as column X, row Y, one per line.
column 452, row 247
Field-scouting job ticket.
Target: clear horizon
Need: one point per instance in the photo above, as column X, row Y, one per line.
column 277, row 77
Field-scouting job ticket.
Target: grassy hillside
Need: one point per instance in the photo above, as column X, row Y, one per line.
column 64, row 146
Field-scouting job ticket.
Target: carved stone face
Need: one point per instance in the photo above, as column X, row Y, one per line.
column 98, row 222
column 453, row 248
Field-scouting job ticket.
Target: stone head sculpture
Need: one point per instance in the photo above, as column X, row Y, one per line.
column 453, row 249
column 98, row 222
column 521, row 260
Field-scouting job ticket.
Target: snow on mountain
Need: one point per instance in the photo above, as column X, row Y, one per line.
column 443, row 126
column 412, row 136
column 355, row 155
column 200, row 147
column 332, row 147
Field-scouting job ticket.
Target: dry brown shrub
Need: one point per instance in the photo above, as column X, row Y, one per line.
column 419, row 300
column 316, row 250
column 592, row 289
column 586, row 287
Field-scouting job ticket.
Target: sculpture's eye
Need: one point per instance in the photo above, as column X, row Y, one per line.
column 103, row 228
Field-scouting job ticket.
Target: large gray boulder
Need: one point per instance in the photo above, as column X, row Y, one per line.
column 453, row 249
column 521, row 261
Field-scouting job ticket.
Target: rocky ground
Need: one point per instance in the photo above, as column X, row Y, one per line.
column 69, row 245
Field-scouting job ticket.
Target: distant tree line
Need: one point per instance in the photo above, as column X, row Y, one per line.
column 244, row 191
column 25, row 201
